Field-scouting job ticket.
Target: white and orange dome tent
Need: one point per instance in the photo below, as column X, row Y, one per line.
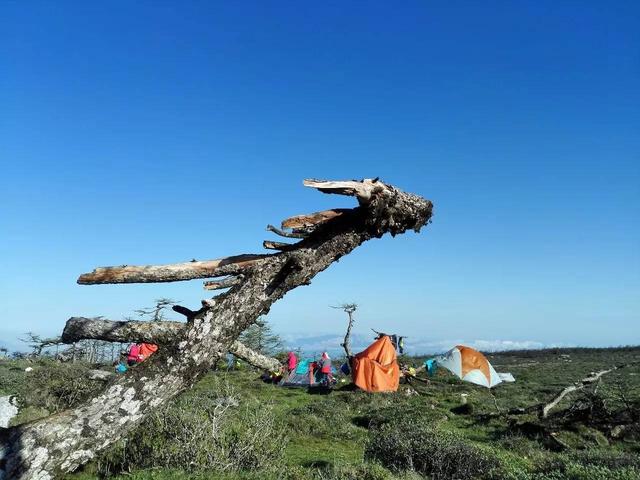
column 472, row 366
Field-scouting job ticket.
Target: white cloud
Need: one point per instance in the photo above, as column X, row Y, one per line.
column 313, row 344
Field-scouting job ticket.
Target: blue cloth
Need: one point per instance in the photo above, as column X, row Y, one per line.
column 431, row 366
column 345, row 368
column 230, row 361
column 121, row 368
column 303, row 367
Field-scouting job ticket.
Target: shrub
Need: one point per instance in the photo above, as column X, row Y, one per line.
column 418, row 445
column 57, row 386
column 197, row 433
column 368, row 471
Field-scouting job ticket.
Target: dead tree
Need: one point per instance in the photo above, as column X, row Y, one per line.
column 52, row 446
column 37, row 343
column 156, row 313
column 349, row 308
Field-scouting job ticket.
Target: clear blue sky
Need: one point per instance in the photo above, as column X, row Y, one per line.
column 156, row 132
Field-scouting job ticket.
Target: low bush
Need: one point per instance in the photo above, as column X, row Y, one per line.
column 418, row 445
column 391, row 414
column 56, row 386
column 197, row 433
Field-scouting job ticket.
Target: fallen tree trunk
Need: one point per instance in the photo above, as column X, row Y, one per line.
column 543, row 409
column 546, row 408
column 52, row 446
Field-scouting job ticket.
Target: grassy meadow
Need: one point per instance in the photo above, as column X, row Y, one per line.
column 232, row 425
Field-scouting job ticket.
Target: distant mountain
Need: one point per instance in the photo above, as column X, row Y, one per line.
column 315, row 344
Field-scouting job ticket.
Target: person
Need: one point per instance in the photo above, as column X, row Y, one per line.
column 325, row 368
column 292, row 362
column 133, row 355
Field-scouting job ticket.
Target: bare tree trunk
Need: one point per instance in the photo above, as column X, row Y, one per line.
column 161, row 333
column 52, row 446
column 349, row 308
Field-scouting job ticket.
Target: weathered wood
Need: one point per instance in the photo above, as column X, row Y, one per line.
column 283, row 233
column 572, row 388
column 49, row 447
column 254, row 358
column 81, row 328
column 363, row 189
column 171, row 272
column 313, row 219
column 281, row 246
column 223, row 283
column 162, row 333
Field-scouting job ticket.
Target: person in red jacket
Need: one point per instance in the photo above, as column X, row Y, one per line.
column 325, row 368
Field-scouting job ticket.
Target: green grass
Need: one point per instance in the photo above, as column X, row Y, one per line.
column 327, row 434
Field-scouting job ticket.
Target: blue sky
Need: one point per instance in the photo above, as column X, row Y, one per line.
column 158, row 132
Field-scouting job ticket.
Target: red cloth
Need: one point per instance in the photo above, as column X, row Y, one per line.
column 292, row 361
column 134, row 353
column 147, row 349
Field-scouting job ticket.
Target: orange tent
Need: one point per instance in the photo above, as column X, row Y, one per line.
column 376, row 368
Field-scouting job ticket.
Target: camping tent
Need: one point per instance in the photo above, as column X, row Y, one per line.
column 471, row 366
column 306, row 374
column 375, row 369
column 302, row 376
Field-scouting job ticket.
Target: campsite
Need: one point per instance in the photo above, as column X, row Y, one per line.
column 319, row 240
column 352, row 434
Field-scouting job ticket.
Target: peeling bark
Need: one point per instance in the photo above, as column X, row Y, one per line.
column 52, row 446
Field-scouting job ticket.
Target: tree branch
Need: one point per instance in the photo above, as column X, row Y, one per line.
column 81, row 328
column 281, row 246
column 172, row 272
column 282, row 233
column 313, row 219
column 546, row 408
column 363, row 190
column 162, row 333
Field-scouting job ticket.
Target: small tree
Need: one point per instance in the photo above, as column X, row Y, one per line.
column 261, row 338
column 37, row 343
column 349, row 309
column 156, row 313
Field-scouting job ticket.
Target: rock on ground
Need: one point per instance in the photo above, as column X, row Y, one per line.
column 8, row 410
